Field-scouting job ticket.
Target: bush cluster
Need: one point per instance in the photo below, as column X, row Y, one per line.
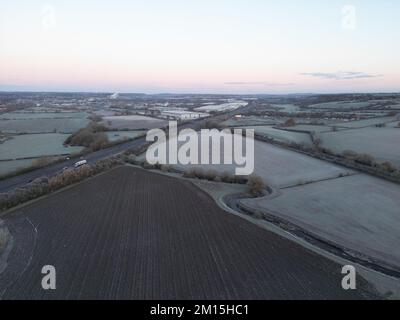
column 212, row 175
column 256, row 186
column 92, row 137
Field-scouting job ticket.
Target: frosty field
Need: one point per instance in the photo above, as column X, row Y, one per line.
column 287, row 107
column 359, row 212
column 121, row 135
column 279, row 167
column 340, row 105
column 63, row 125
column 42, row 115
column 367, row 122
column 311, row 128
column 250, row 121
column 282, row 135
column 381, row 143
column 133, row 122
column 35, row 145
column 222, row 107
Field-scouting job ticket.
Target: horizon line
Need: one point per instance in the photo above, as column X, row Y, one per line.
column 201, row 93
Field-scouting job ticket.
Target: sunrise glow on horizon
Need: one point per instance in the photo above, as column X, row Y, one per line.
column 253, row 46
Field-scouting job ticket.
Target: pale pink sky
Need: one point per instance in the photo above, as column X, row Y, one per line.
column 239, row 47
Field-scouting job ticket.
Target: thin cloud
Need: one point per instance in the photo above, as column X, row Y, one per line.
column 341, row 75
column 257, row 83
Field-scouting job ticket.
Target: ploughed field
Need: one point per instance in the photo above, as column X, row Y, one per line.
column 139, row 235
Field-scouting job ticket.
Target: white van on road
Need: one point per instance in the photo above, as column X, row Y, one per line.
column 80, row 163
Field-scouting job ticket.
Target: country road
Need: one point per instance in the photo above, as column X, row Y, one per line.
column 132, row 234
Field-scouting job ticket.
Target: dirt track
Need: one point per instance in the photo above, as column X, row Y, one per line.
column 130, row 234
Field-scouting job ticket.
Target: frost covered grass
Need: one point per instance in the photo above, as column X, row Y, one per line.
column 283, row 135
column 133, row 122
column 381, row 143
column 367, row 122
column 38, row 125
column 341, row 105
column 35, row 145
column 222, row 107
column 42, row 115
column 279, row 166
column 359, row 212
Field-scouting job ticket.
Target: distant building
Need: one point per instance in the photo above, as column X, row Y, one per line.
column 183, row 115
column 114, row 96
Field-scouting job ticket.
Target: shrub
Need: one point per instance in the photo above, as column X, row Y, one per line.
column 289, row 123
column 131, row 158
column 189, row 174
column 387, row 167
column 166, row 168
column 349, row 154
column 317, row 142
column 194, row 173
column 365, row 159
column 210, row 175
column 227, row 177
column 256, row 185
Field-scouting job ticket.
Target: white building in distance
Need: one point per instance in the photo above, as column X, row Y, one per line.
column 182, row 114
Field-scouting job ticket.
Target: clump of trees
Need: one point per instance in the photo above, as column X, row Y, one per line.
column 92, row 137
column 388, row 167
column 289, row 123
column 256, row 186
